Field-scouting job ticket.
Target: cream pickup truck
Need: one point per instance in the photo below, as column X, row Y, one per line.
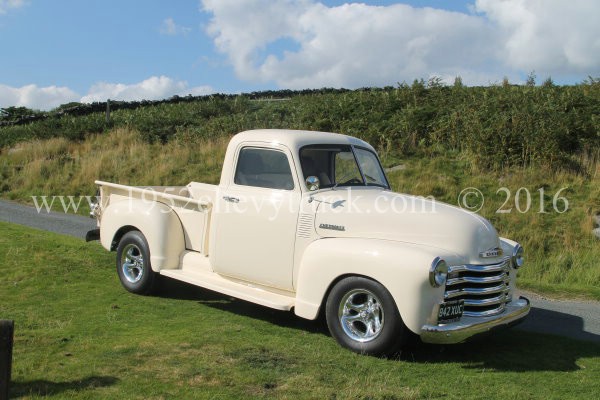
column 306, row 221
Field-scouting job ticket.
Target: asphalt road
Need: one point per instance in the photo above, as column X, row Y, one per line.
column 66, row 224
column 575, row 319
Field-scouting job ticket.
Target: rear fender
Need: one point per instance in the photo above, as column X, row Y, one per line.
column 157, row 222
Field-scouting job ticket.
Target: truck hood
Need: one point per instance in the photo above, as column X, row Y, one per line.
column 381, row 214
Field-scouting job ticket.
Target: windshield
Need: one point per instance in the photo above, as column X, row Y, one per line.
column 342, row 165
column 371, row 169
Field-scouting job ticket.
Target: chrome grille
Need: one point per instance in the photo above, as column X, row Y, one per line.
column 484, row 288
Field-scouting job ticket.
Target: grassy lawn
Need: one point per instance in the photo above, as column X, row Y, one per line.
column 78, row 334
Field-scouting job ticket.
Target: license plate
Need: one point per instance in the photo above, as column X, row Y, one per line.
column 451, row 311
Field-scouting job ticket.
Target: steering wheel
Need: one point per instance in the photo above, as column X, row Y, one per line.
column 353, row 180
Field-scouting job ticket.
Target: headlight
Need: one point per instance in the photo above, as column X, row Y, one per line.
column 517, row 257
column 438, row 272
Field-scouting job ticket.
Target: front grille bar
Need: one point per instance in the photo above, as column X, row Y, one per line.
column 486, row 302
column 451, row 294
column 486, row 313
column 498, row 267
column 474, row 279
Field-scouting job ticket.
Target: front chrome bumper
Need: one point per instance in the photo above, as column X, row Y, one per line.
column 460, row 331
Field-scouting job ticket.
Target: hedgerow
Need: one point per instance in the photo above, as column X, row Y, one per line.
column 495, row 126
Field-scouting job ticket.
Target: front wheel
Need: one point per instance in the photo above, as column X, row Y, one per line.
column 133, row 264
column 362, row 316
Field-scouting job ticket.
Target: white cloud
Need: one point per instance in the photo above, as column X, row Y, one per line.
column 32, row 96
column 356, row 45
column 6, row 5
column 153, row 88
column 47, row 98
column 549, row 36
column 169, row 27
column 243, row 27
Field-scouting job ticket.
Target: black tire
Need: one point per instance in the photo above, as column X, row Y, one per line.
column 362, row 316
column 133, row 264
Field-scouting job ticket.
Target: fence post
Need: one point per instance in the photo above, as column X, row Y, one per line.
column 108, row 111
column 6, row 344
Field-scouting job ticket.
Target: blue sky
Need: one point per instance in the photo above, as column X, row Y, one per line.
column 57, row 51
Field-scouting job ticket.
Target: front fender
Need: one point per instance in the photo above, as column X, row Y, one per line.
column 401, row 267
column 157, row 222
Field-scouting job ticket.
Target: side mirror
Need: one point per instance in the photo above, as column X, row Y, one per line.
column 312, row 182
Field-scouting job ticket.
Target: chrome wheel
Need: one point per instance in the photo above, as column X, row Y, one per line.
column 361, row 315
column 132, row 263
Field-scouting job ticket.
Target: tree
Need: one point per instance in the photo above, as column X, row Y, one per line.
column 530, row 79
column 548, row 82
column 435, row 82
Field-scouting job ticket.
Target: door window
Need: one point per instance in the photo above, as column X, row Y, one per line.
column 264, row 168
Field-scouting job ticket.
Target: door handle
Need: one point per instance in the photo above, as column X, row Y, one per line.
column 231, row 199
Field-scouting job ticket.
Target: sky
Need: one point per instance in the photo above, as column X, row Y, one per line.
column 59, row 51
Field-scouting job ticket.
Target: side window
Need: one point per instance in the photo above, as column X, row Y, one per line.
column 264, row 168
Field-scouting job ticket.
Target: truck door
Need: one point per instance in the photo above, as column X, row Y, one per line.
column 256, row 218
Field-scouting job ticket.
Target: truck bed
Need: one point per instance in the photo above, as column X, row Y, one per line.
column 192, row 204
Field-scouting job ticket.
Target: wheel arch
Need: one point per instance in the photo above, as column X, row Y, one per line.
column 119, row 235
column 335, row 282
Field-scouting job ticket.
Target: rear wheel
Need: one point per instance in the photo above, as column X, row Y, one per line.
column 362, row 316
column 133, row 264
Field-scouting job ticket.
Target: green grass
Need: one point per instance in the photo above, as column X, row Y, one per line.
column 78, row 334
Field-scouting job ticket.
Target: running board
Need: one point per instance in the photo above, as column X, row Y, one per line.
column 207, row 279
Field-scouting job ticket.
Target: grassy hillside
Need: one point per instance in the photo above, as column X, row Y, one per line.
column 562, row 253
column 493, row 127
column 79, row 335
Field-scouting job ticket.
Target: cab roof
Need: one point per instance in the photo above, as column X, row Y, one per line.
column 296, row 139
